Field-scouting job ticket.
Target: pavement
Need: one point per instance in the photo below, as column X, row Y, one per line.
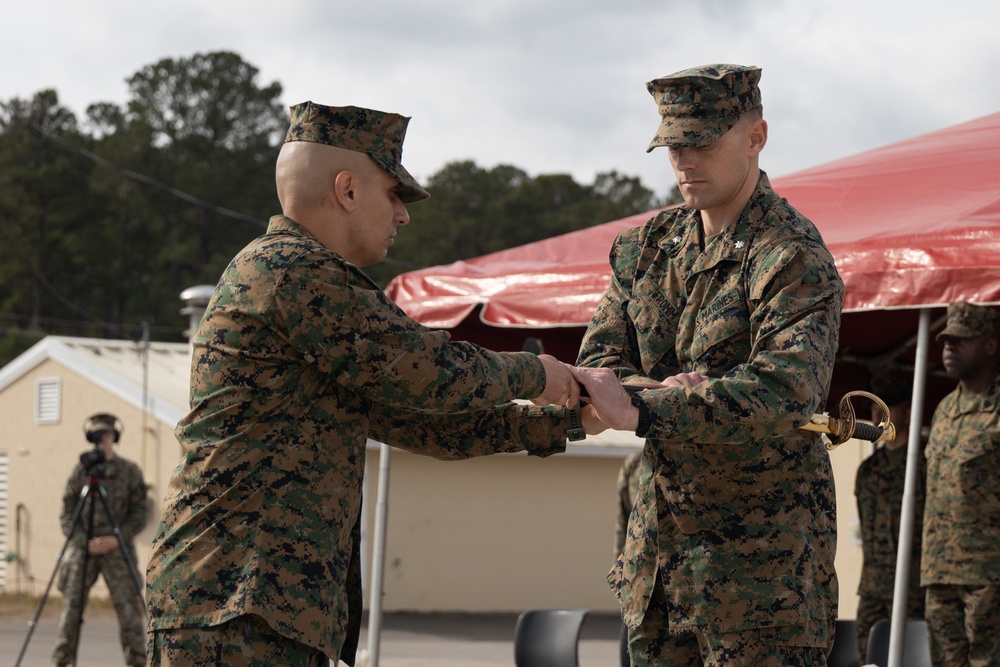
column 408, row 640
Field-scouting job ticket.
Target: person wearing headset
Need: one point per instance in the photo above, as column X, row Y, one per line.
column 90, row 552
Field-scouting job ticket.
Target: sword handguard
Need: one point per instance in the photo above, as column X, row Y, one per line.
column 845, row 426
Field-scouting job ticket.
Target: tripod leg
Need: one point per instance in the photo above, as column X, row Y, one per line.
column 33, row 623
column 123, row 548
column 131, row 625
column 131, row 610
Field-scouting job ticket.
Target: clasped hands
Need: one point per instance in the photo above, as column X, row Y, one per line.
column 608, row 404
column 99, row 546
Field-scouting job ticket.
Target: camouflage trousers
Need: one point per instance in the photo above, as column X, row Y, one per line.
column 115, row 570
column 653, row 645
column 963, row 622
column 245, row 641
column 872, row 609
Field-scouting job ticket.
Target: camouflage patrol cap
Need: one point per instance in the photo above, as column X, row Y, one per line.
column 102, row 422
column 968, row 320
column 700, row 104
column 376, row 133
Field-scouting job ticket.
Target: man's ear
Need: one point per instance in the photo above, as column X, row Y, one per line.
column 344, row 186
column 758, row 136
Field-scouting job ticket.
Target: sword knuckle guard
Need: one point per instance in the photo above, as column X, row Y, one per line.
column 845, row 426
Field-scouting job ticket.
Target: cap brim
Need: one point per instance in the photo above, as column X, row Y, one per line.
column 683, row 132
column 956, row 332
column 409, row 190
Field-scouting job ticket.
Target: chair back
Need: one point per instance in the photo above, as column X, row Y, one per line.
column 916, row 647
column 845, row 646
column 623, row 658
column 548, row 637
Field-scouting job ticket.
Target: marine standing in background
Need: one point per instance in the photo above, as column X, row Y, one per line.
column 126, row 491
column 626, row 491
column 960, row 566
column 878, row 488
column 734, row 299
column 299, row 359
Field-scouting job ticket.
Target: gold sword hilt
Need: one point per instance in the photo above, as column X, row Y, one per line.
column 840, row 429
column 845, row 426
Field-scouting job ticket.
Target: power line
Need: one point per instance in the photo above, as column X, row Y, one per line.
column 148, row 180
column 41, row 276
column 142, row 178
column 20, row 320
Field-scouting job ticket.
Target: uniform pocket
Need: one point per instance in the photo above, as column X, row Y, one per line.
column 655, row 319
column 722, row 334
column 973, row 448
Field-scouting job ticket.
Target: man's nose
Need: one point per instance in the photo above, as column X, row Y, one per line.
column 402, row 216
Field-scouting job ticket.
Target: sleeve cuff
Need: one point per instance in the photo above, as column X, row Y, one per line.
column 644, row 420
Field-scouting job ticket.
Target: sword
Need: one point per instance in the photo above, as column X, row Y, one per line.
column 844, row 426
column 839, row 429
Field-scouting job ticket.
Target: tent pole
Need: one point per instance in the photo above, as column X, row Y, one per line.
column 378, row 556
column 901, row 593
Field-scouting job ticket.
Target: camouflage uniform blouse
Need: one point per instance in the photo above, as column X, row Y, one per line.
column 738, row 515
column 299, row 359
column 879, row 491
column 126, row 491
column 962, row 511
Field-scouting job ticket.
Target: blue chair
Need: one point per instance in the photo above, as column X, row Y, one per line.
column 548, row 637
column 916, row 646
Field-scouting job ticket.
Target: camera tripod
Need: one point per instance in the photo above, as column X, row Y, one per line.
column 92, row 489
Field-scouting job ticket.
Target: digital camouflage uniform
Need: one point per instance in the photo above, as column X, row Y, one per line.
column 126, row 492
column 627, row 489
column 738, row 519
column 734, row 529
column 961, row 543
column 878, row 488
column 301, row 358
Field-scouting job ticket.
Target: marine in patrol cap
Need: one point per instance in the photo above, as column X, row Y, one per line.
column 968, row 320
column 700, row 104
column 376, row 133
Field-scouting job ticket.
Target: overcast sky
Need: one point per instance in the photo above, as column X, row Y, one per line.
column 551, row 86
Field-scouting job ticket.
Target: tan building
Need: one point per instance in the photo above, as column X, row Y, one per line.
column 46, row 395
column 497, row 534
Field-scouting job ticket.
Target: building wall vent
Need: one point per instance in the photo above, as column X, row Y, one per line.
column 48, row 400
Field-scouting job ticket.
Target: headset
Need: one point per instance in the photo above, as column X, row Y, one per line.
column 93, row 434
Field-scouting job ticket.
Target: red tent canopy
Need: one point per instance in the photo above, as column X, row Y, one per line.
column 911, row 225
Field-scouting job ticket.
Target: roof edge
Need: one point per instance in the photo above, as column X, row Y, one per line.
column 57, row 349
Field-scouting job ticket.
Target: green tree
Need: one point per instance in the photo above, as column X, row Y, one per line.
column 474, row 211
column 112, row 224
column 218, row 133
column 43, row 203
column 103, row 223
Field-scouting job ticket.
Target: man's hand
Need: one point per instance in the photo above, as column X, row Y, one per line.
column 592, row 424
column 561, row 387
column 609, row 403
column 688, row 380
column 611, row 406
column 98, row 546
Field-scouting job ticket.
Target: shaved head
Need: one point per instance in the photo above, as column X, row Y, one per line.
column 343, row 197
column 305, row 173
